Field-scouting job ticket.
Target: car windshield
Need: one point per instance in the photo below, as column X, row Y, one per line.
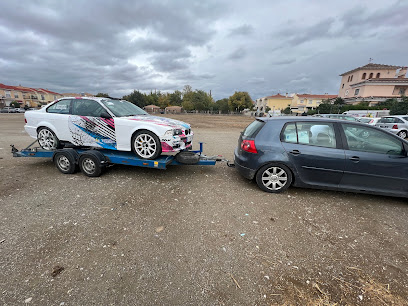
column 121, row 108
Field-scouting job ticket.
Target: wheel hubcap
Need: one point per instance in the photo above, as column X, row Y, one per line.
column 63, row 163
column 88, row 165
column 47, row 139
column 145, row 145
column 274, row 178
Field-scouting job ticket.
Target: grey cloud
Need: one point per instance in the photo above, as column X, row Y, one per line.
column 284, row 62
column 237, row 54
column 243, row 30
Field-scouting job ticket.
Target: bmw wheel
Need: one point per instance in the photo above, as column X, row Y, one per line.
column 47, row 139
column 274, row 178
column 146, row 145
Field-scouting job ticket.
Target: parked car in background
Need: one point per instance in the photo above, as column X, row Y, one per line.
column 395, row 124
column 368, row 120
column 109, row 124
column 20, row 110
column 8, row 109
column 338, row 116
column 322, row 153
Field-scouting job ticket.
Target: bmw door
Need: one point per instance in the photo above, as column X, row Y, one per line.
column 376, row 163
column 315, row 151
column 89, row 127
column 58, row 115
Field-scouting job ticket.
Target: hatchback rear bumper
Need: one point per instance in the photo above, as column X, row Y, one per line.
column 244, row 171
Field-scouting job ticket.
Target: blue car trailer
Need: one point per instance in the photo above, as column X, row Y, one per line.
column 93, row 162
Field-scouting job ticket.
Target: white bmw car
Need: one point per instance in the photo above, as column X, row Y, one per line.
column 108, row 124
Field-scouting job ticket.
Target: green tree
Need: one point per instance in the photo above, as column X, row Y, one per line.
column 137, row 98
column 15, row 104
column 101, row 94
column 187, row 105
column 286, row 110
column 175, row 98
column 339, row 101
column 399, row 108
column 163, row 101
column 239, row 101
column 222, row 105
column 201, row 100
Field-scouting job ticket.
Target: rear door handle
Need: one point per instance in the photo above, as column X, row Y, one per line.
column 355, row 159
column 295, row 152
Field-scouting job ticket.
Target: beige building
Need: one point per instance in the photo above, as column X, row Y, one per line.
column 152, row 108
column 173, row 110
column 373, row 83
column 304, row 102
column 26, row 96
column 275, row 103
column 82, row 94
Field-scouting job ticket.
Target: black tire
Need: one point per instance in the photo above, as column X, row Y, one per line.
column 402, row 134
column 188, row 158
column 47, row 139
column 91, row 163
column 274, row 178
column 66, row 161
column 146, row 145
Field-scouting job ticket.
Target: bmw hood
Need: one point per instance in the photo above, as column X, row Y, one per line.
column 175, row 124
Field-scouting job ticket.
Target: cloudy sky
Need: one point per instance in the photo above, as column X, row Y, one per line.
column 263, row 47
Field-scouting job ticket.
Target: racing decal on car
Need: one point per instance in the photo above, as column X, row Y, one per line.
column 161, row 121
column 92, row 131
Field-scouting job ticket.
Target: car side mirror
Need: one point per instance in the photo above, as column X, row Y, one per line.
column 105, row 115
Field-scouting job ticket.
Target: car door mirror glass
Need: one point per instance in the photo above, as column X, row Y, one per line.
column 105, row 115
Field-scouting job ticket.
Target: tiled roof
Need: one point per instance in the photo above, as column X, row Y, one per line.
column 3, row 86
column 372, row 66
column 317, row 96
column 49, row 91
column 151, row 106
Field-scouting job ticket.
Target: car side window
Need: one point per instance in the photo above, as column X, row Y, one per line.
column 89, row 108
column 310, row 133
column 289, row 133
column 366, row 139
column 61, row 107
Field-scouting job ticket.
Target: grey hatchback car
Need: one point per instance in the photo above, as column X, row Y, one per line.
column 322, row 153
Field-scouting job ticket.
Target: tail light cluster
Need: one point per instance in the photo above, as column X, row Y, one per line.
column 25, row 120
column 395, row 127
column 248, row 146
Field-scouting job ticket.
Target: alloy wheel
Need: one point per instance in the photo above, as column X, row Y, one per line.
column 274, row 178
column 145, row 145
column 47, row 139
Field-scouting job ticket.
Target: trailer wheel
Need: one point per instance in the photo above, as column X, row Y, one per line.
column 91, row 163
column 65, row 161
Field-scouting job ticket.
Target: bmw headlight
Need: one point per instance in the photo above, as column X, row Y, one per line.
column 168, row 133
column 177, row 132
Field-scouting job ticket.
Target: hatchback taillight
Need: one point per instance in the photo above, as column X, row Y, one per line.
column 25, row 120
column 395, row 127
column 248, row 146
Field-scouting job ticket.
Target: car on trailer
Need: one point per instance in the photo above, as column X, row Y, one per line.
column 109, row 124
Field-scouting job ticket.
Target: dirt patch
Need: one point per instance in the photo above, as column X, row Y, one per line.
column 190, row 234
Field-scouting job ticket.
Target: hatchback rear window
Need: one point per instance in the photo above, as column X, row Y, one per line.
column 253, row 128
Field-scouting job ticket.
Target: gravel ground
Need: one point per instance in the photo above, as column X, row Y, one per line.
column 197, row 235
